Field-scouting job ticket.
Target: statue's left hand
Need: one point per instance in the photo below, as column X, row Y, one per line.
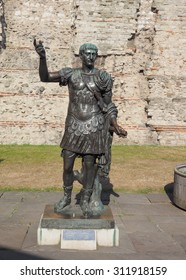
column 121, row 132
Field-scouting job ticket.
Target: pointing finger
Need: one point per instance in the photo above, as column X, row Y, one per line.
column 35, row 42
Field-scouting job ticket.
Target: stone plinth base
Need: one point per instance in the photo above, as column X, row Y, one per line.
column 72, row 231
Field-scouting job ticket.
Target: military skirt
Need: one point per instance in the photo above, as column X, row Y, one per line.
column 85, row 137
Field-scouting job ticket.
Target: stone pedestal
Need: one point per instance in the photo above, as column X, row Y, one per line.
column 72, row 231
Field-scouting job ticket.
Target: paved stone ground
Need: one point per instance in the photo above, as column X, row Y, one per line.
column 151, row 227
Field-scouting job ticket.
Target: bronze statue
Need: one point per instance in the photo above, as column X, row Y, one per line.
column 90, row 123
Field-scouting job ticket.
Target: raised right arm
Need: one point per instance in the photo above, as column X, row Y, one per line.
column 45, row 75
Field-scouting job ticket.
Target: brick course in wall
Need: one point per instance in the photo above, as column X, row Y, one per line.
column 141, row 44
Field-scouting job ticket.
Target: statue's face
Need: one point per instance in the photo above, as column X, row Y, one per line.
column 88, row 57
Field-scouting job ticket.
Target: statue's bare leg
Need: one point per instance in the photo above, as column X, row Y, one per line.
column 88, row 181
column 68, row 178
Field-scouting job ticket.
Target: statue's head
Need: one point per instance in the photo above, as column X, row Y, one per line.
column 88, row 46
column 88, row 54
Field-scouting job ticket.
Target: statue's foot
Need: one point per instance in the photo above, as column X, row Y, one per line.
column 66, row 200
column 59, row 206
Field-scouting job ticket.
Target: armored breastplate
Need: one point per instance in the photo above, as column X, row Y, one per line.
column 83, row 102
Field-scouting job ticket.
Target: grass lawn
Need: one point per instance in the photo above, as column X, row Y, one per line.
column 133, row 169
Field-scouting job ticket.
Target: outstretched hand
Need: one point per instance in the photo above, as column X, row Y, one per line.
column 39, row 48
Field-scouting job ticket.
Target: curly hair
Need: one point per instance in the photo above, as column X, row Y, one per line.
column 87, row 46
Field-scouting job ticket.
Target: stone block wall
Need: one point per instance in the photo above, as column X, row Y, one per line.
column 141, row 44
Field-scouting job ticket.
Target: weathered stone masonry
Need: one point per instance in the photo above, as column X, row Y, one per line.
column 142, row 45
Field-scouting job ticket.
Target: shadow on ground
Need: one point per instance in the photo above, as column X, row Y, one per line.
column 169, row 188
column 13, row 254
column 169, row 191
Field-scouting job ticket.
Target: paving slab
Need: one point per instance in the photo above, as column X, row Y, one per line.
column 30, row 240
column 151, row 209
column 134, row 225
column 158, row 198
column 167, row 219
column 12, row 196
column 131, row 198
column 180, row 238
column 173, row 228
column 12, row 236
column 155, row 242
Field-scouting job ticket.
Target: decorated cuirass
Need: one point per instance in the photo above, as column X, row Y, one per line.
column 84, row 113
column 84, row 126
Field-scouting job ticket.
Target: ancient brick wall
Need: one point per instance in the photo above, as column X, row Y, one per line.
column 141, row 44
